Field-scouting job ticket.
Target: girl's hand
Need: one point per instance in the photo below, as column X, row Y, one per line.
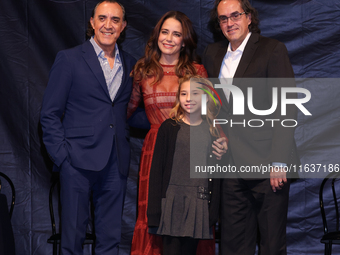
column 220, row 147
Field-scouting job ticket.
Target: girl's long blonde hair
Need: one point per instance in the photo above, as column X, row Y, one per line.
column 177, row 113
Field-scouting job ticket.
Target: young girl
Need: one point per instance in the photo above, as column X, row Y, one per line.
column 182, row 209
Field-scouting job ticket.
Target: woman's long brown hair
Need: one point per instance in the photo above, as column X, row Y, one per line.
column 149, row 66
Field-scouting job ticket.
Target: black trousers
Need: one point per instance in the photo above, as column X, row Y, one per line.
column 250, row 207
column 179, row 245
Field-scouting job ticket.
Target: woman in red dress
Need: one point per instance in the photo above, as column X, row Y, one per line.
column 169, row 54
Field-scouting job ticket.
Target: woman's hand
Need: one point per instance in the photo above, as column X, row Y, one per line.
column 220, row 147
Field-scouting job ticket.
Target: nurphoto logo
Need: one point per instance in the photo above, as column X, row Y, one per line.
column 281, row 97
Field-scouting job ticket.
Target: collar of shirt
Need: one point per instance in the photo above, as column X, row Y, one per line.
column 100, row 52
column 239, row 51
column 230, row 63
column 113, row 76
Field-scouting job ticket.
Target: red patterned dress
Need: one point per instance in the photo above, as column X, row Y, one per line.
column 158, row 100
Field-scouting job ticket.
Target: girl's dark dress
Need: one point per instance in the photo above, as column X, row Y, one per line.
column 184, row 212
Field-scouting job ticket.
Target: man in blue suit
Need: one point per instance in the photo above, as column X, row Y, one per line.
column 83, row 118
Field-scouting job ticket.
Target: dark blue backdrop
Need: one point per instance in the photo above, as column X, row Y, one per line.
column 33, row 31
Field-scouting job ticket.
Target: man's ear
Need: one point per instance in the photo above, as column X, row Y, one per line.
column 123, row 25
column 91, row 21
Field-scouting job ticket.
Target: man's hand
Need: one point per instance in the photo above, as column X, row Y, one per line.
column 277, row 178
column 220, row 147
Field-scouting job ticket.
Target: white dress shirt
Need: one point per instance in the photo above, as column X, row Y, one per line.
column 230, row 63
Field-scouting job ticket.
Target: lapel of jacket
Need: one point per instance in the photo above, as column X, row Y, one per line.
column 125, row 73
column 91, row 59
column 247, row 55
column 220, row 52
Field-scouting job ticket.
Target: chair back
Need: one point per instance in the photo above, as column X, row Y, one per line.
column 55, row 213
column 330, row 185
column 4, row 176
column 55, row 183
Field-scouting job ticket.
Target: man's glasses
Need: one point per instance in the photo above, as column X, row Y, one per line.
column 233, row 17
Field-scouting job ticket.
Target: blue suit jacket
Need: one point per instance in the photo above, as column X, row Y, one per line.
column 80, row 122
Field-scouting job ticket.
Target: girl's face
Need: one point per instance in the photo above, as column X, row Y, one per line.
column 170, row 39
column 191, row 98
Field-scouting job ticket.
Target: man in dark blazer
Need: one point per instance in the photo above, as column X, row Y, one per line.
column 83, row 118
column 253, row 205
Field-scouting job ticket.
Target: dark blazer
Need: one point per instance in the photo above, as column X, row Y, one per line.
column 160, row 173
column 80, row 122
column 262, row 58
